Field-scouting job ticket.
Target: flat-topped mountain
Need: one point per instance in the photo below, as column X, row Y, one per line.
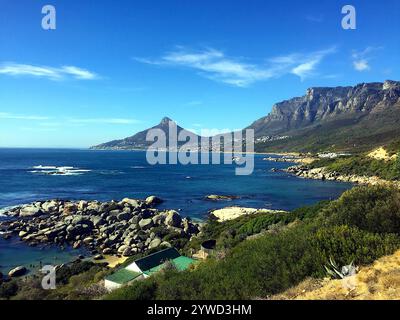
column 338, row 118
column 138, row 141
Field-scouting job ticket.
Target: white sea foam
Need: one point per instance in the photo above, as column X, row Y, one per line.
column 63, row 170
column 4, row 210
column 44, row 167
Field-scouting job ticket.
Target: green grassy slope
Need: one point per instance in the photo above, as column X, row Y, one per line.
column 362, row 225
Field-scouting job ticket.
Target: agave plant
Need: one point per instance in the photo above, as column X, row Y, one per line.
column 335, row 272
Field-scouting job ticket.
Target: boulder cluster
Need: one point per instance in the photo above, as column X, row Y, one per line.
column 126, row 227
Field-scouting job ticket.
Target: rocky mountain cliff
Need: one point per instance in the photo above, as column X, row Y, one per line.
column 339, row 117
column 326, row 104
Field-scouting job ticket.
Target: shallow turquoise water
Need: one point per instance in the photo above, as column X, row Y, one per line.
column 15, row 253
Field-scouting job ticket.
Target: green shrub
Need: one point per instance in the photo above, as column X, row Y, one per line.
column 8, row 289
column 373, row 208
column 140, row 290
column 396, row 167
column 67, row 271
column 346, row 244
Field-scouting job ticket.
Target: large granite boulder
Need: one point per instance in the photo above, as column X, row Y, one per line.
column 50, row 206
column 173, row 219
column 30, row 211
column 70, row 208
column 154, row 243
column 153, row 201
column 146, row 223
column 17, row 272
column 124, row 216
column 132, row 202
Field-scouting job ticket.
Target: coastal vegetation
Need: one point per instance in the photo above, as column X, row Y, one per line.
column 361, row 226
column 256, row 256
column 362, row 165
column 378, row 281
column 79, row 280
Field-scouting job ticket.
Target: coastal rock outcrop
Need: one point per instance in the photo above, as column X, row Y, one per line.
column 30, row 211
column 125, row 228
column 231, row 213
column 17, row 272
column 323, row 173
column 216, row 197
column 173, row 219
column 153, row 201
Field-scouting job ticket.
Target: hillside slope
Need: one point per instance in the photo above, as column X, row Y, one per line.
column 378, row 281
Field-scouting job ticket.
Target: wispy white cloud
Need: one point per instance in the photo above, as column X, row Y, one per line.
column 215, row 65
column 361, row 59
column 303, row 65
column 305, row 69
column 103, row 121
column 79, row 73
column 12, row 116
column 361, row 65
column 52, row 73
column 49, row 122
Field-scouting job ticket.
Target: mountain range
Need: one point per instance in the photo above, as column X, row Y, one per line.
column 335, row 119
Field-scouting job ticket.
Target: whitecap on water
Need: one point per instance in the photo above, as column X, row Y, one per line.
column 54, row 170
column 40, row 167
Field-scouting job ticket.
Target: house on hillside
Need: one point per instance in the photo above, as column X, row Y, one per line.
column 145, row 267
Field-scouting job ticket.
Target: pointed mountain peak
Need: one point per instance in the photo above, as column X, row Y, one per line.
column 166, row 120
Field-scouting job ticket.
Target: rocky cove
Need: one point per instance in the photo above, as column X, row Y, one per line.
column 121, row 228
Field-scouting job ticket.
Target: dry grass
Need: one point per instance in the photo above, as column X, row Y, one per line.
column 379, row 281
column 112, row 261
column 381, row 154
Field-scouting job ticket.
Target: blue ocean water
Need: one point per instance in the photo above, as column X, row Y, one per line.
column 107, row 175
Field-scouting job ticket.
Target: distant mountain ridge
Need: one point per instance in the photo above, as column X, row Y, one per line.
column 334, row 118
column 325, row 104
column 138, row 141
column 337, row 118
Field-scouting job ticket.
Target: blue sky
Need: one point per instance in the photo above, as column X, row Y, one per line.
column 112, row 68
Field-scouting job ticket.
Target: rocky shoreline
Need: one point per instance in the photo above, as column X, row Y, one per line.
column 306, row 172
column 300, row 159
column 122, row 228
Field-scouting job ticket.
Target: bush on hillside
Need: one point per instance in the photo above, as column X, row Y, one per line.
column 139, row 290
column 267, row 265
column 8, row 289
column 373, row 208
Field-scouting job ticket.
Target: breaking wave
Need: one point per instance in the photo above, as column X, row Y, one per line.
column 58, row 171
